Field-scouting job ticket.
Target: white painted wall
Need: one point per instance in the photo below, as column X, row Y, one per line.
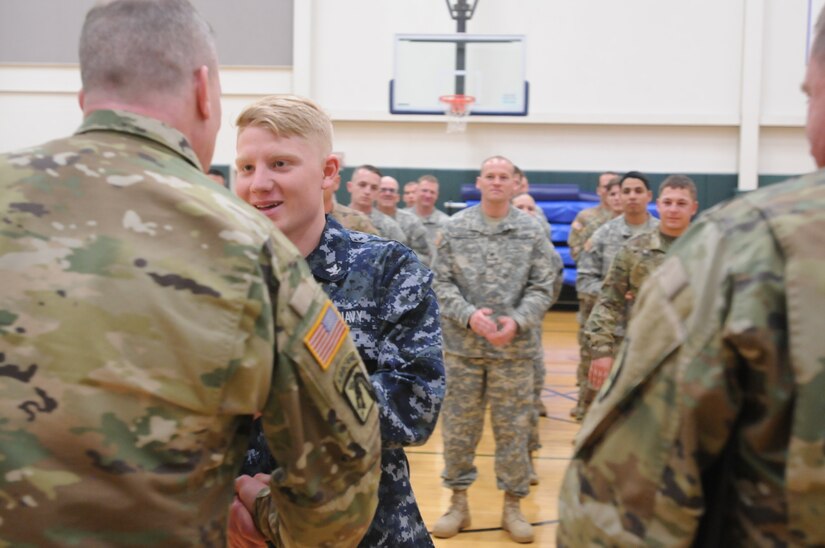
column 655, row 85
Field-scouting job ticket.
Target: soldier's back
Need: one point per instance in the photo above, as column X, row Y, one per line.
column 137, row 329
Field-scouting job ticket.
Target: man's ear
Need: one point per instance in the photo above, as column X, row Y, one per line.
column 81, row 98
column 202, row 92
column 331, row 166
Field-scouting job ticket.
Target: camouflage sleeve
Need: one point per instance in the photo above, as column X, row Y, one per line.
column 452, row 303
column 409, row 380
column 575, row 239
column 362, row 224
column 390, row 230
column 319, row 417
column 418, row 242
column 611, row 306
column 589, row 267
column 558, row 268
column 537, row 295
column 651, row 443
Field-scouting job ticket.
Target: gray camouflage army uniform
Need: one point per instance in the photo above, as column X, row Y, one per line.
column 591, row 269
column 416, row 235
column 587, row 221
column 709, row 431
column 433, row 223
column 539, row 370
column 631, row 266
column 387, row 227
column 507, row 267
column 141, row 311
column 383, row 293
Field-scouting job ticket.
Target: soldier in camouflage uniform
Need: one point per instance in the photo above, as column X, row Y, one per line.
column 346, row 216
column 631, row 266
column 588, row 220
column 709, row 431
column 414, row 232
column 410, row 190
column 525, row 203
column 381, row 289
column 363, row 188
column 494, row 280
column 426, row 196
column 595, row 260
column 584, row 225
column 142, row 310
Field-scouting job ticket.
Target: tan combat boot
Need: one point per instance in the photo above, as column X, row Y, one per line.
column 456, row 518
column 514, row 522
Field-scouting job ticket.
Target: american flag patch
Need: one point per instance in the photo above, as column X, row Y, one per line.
column 326, row 336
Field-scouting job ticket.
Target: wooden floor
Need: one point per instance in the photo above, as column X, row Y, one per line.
column 557, row 431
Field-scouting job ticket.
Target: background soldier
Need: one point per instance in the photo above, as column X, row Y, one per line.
column 588, row 220
column 595, row 259
column 144, row 308
column 414, row 232
column 585, row 224
column 410, row 190
column 426, row 196
column 709, row 430
column 630, row 268
column 525, row 203
column 382, row 291
column 494, row 280
column 363, row 189
column 346, row 216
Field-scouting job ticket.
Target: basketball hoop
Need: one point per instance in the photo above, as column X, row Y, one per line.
column 457, row 107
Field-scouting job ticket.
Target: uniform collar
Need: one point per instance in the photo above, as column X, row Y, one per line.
column 328, row 260
column 509, row 222
column 141, row 126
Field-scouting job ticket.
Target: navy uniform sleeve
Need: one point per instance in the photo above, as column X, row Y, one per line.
column 409, row 379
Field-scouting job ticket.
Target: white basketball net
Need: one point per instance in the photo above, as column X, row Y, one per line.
column 457, row 110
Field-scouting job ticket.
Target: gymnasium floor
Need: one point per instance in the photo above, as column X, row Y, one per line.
column 557, row 431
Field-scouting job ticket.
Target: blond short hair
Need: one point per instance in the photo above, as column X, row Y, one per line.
column 289, row 116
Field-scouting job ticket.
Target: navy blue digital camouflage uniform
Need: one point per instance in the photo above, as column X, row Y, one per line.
column 384, row 294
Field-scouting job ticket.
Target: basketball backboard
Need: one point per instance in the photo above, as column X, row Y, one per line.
column 426, row 69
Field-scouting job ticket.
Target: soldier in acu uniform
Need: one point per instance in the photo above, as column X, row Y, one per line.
column 426, row 196
column 146, row 314
column 414, row 232
column 381, row 289
column 709, row 431
column 584, row 225
column 363, row 189
column 494, row 280
column 630, row 268
column 596, row 258
column 590, row 219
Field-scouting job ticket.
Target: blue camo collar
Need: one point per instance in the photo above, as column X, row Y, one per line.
column 141, row 126
column 327, row 261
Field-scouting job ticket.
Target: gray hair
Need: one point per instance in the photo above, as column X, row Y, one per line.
column 132, row 48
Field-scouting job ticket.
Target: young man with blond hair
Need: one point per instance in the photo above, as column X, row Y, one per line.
column 380, row 288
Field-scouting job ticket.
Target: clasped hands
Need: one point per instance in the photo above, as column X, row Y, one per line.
column 498, row 332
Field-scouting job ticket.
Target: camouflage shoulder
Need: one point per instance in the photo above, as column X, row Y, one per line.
column 322, row 385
